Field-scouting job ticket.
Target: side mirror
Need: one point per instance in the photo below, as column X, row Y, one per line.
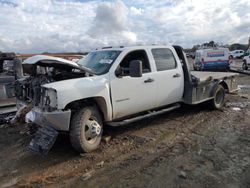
column 135, row 68
column 118, row 72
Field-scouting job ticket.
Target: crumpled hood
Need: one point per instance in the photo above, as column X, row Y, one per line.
column 50, row 61
column 45, row 59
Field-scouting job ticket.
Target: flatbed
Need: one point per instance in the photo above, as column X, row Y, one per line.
column 206, row 76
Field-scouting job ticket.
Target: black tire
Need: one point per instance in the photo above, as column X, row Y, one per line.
column 231, row 57
column 244, row 65
column 219, row 98
column 85, row 124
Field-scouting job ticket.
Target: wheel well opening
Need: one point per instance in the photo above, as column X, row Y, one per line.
column 224, row 85
column 99, row 102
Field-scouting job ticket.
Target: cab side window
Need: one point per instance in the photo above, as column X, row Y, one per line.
column 135, row 55
column 164, row 59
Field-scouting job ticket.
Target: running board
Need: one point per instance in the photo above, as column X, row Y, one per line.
column 137, row 118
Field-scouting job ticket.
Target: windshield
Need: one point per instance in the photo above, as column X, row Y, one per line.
column 99, row 62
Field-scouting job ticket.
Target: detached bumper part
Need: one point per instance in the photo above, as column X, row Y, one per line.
column 59, row 120
column 44, row 140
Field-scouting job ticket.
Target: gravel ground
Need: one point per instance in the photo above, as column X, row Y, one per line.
column 189, row 147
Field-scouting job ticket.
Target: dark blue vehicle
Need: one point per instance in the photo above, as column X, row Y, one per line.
column 214, row 59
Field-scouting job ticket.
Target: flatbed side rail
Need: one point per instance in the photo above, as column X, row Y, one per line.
column 198, row 92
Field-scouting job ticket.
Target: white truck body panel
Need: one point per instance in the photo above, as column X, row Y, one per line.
column 247, row 59
column 133, row 95
column 82, row 88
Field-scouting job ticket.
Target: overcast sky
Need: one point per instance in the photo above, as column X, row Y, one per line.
column 33, row 26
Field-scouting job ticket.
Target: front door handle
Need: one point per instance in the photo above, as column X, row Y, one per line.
column 148, row 80
column 176, row 75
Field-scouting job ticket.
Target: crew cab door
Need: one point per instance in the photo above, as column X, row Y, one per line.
column 169, row 76
column 131, row 95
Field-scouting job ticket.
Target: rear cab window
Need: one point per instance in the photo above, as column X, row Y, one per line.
column 164, row 59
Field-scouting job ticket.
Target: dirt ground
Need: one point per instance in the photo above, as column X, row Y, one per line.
column 189, row 147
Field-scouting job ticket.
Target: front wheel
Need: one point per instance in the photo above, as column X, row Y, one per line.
column 219, row 98
column 86, row 129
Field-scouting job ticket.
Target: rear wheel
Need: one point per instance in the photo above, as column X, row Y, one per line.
column 219, row 98
column 86, row 129
column 244, row 65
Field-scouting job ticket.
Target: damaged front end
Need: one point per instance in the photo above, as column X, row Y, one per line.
column 42, row 101
column 38, row 104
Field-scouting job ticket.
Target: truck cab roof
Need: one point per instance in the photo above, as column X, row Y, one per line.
column 134, row 47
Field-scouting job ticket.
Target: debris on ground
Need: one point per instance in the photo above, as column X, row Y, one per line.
column 10, row 183
column 182, row 174
column 100, row 164
column 87, row 175
column 238, row 104
column 244, row 88
column 20, row 115
column 106, row 139
column 44, row 139
column 6, row 118
column 236, row 109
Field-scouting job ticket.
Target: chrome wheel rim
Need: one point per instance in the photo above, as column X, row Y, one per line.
column 219, row 98
column 92, row 130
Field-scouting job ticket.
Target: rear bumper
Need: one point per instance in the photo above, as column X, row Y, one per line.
column 60, row 120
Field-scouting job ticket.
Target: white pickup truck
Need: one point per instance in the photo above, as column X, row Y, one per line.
column 114, row 86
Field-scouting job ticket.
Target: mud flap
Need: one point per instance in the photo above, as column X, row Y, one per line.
column 43, row 141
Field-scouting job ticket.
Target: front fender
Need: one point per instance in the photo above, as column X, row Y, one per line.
column 82, row 88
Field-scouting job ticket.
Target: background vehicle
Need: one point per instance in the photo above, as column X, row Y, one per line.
column 237, row 54
column 10, row 65
column 114, row 86
column 190, row 55
column 246, row 60
column 211, row 59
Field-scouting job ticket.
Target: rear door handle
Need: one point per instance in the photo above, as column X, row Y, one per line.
column 148, row 80
column 176, row 75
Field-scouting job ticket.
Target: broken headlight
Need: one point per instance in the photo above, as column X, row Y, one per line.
column 49, row 99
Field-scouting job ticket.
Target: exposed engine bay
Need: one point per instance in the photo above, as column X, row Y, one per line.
column 29, row 89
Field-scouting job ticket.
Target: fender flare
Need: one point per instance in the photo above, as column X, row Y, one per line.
column 219, row 82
